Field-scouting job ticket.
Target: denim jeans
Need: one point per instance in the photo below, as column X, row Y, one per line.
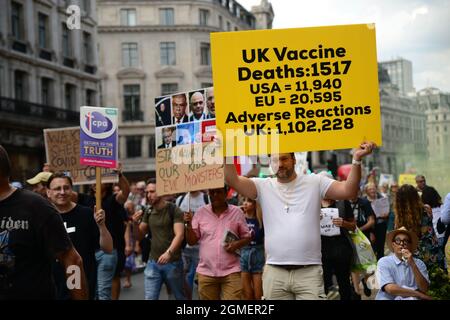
column 106, row 267
column 190, row 262
column 171, row 273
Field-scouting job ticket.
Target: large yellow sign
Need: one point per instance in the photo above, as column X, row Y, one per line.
column 406, row 178
column 296, row 89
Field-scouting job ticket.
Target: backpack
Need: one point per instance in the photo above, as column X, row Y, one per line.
column 205, row 199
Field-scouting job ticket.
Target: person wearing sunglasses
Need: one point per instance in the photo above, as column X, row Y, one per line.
column 400, row 275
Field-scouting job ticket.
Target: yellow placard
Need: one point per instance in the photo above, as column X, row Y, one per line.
column 296, row 89
column 407, row 179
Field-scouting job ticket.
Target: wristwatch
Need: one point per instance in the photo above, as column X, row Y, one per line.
column 357, row 162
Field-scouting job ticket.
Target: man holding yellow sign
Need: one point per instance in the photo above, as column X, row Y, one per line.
column 282, row 91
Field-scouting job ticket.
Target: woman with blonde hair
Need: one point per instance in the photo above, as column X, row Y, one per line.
column 414, row 216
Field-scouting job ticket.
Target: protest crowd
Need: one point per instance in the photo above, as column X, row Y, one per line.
column 290, row 236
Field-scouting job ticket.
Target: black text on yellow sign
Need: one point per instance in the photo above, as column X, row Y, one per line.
column 296, row 89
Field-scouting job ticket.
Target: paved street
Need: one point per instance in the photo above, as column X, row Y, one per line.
column 136, row 292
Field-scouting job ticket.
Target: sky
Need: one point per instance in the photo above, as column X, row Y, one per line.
column 417, row 30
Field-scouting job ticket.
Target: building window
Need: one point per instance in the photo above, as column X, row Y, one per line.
column 131, row 97
column 151, row 146
column 168, row 53
column 70, row 96
column 128, row 17
column 129, row 54
column 90, row 97
column 43, row 30
column 206, row 85
column 228, row 26
column 133, row 146
column 20, row 85
column 166, row 17
column 437, row 129
column 87, row 48
column 86, row 6
column 169, row 88
column 220, row 23
column 205, row 56
column 66, row 41
column 17, row 20
column 203, row 15
column 47, row 91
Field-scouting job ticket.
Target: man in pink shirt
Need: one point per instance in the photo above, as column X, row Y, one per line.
column 219, row 267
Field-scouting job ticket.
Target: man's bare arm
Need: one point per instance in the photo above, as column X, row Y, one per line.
column 346, row 190
column 71, row 258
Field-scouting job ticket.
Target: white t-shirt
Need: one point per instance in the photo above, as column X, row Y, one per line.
column 292, row 236
column 195, row 202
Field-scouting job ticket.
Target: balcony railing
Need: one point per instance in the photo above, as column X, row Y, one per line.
column 90, row 69
column 25, row 108
column 19, row 46
column 69, row 62
column 45, row 54
column 132, row 115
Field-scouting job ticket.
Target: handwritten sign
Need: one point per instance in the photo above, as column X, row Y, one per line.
column 327, row 228
column 296, row 89
column 62, row 148
column 380, row 206
column 175, row 177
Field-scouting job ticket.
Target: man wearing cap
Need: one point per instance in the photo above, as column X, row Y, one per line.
column 39, row 183
column 400, row 275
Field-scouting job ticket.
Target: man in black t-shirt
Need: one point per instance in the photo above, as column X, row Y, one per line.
column 32, row 235
column 87, row 231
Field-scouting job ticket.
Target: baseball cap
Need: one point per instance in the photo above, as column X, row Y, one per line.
column 40, row 177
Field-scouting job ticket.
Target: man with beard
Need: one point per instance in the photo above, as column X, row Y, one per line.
column 165, row 222
column 291, row 215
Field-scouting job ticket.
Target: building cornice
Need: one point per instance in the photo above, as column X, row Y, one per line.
column 157, row 28
column 169, row 72
column 130, row 73
column 203, row 72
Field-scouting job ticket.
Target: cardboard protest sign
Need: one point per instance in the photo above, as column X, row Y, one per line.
column 98, row 137
column 327, row 227
column 187, row 158
column 296, row 89
column 62, row 148
column 380, row 206
column 407, row 179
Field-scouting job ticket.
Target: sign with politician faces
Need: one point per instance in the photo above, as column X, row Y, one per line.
column 185, row 125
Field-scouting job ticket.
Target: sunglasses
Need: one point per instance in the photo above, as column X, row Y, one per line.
column 401, row 241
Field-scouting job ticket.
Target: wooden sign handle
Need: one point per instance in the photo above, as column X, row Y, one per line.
column 98, row 188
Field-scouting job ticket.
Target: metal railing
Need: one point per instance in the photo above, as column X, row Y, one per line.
column 25, row 108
